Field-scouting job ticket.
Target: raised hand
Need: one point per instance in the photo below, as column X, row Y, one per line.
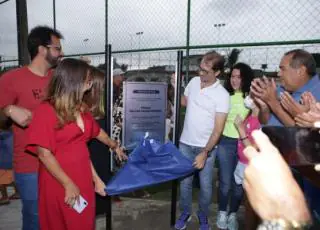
column 291, row 106
column 264, row 89
column 308, row 119
column 274, row 194
column 307, row 99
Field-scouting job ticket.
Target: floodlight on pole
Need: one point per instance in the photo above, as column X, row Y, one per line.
column 85, row 41
column 219, row 26
column 131, row 47
column 139, row 34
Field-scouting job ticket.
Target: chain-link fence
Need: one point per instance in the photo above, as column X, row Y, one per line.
column 165, row 23
column 8, row 35
column 141, row 31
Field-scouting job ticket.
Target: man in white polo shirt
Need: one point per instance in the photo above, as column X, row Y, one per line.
column 207, row 107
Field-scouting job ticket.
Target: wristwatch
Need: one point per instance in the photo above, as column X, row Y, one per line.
column 281, row 224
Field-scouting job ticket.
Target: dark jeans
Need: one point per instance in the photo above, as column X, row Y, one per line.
column 27, row 184
column 312, row 194
column 6, row 149
column 228, row 158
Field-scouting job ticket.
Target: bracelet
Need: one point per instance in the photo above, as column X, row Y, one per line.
column 242, row 139
column 281, row 224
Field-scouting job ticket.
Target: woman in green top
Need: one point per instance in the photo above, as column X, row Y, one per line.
column 238, row 85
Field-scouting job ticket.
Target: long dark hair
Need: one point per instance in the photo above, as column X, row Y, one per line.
column 246, row 75
column 65, row 90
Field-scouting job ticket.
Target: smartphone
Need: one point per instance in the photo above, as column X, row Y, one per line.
column 81, row 205
column 298, row 146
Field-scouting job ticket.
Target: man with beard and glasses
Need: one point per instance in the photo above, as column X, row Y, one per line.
column 21, row 91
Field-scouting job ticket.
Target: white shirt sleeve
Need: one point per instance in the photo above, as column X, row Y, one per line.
column 223, row 104
column 188, row 88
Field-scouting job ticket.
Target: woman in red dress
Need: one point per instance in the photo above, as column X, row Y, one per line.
column 58, row 134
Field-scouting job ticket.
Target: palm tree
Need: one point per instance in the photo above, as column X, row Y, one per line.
column 231, row 59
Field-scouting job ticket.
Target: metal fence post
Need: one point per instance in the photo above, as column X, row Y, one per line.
column 22, row 32
column 174, row 189
column 54, row 14
column 108, row 125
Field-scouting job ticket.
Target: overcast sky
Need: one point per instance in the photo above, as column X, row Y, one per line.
column 163, row 23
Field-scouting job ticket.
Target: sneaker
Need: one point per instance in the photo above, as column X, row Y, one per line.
column 233, row 221
column 222, row 220
column 203, row 221
column 183, row 220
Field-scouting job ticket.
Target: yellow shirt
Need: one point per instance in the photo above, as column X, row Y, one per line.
column 236, row 107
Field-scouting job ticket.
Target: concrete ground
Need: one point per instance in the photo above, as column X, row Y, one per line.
column 132, row 214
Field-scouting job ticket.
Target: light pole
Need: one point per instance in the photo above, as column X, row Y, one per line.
column 219, row 26
column 131, row 40
column 140, row 33
column 85, row 42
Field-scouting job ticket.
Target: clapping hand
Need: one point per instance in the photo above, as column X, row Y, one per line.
column 312, row 114
column 291, row 106
column 308, row 119
column 264, row 89
column 307, row 99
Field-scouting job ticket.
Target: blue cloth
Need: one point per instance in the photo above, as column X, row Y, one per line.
column 150, row 163
column 228, row 159
column 27, row 184
column 313, row 86
column 205, row 177
column 6, row 149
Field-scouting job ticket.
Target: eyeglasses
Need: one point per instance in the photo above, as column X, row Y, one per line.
column 206, row 72
column 203, row 71
column 58, row 48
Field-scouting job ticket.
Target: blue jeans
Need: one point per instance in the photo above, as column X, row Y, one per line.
column 205, row 177
column 27, row 184
column 228, row 158
column 6, row 149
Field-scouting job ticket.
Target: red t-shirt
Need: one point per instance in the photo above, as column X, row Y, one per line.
column 23, row 88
